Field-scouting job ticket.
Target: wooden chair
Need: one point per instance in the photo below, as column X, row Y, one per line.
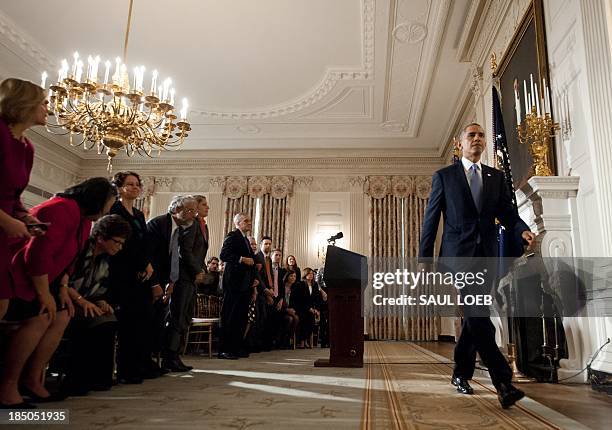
column 206, row 315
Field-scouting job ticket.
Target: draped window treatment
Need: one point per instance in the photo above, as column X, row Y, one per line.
column 273, row 191
column 397, row 209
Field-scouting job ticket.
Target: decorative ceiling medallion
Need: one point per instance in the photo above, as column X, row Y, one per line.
column 248, row 129
column 410, row 32
column 394, row 126
column 327, row 83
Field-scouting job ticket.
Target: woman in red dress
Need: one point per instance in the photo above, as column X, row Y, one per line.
column 40, row 287
column 22, row 105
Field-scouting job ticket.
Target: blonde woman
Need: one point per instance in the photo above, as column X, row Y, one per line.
column 22, row 105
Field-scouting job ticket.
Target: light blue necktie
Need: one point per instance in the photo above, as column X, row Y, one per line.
column 174, row 255
column 476, row 186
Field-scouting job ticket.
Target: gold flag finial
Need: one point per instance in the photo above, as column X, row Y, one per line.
column 493, row 64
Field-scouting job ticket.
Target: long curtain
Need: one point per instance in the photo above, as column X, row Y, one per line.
column 397, row 209
column 273, row 192
column 237, row 200
column 274, row 210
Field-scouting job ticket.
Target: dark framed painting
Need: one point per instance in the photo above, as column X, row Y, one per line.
column 526, row 55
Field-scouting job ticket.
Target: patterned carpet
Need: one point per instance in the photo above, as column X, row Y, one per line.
column 402, row 386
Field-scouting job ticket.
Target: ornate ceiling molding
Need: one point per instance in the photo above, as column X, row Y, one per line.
column 410, row 81
column 12, row 34
column 327, row 83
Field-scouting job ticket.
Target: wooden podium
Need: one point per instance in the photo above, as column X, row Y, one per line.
column 345, row 274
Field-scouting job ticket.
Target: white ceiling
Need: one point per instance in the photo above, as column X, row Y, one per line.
column 270, row 74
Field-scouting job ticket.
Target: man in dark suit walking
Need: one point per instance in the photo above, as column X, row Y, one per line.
column 471, row 196
column 237, row 284
column 176, row 251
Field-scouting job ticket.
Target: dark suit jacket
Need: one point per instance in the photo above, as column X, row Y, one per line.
column 204, row 241
column 301, row 300
column 260, row 258
column 159, row 231
column 451, row 197
column 237, row 277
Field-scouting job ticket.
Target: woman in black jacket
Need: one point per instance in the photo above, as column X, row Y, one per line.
column 129, row 272
column 307, row 303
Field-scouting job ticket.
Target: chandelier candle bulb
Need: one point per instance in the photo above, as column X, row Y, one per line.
column 95, row 68
column 75, row 63
column 116, row 76
column 107, row 64
column 172, row 96
column 184, row 110
column 153, row 82
column 43, row 79
column 79, row 71
column 89, row 68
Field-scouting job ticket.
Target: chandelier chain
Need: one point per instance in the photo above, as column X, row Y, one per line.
column 127, row 32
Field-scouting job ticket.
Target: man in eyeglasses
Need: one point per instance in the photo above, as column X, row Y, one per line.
column 176, row 252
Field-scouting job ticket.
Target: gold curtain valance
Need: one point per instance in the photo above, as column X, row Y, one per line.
column 278, row 187
column 378, row 187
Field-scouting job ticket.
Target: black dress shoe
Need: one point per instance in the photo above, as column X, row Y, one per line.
column 226, row 356
column 183, row 364
column 508, row 395
column 174, row 366
column 34, row 398
column 131, row 380
column 22, row 405
column 462, row 385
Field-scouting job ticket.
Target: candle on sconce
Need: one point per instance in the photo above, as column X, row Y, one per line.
column 172, row 96
column 160, row 92
column 136, row 71
column 537, row 98
column 184, row 110
column 527, row 109
column 64, row 70
column 532, row 98
column 517, row 104
column 43, row 79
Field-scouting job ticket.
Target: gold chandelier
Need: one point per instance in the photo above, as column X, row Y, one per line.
column 110, row 114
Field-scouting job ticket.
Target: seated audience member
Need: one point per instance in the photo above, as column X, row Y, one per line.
column 307, row 302
column 286, row 308
column 291, row 264
column 210, row 285
column 308, row 299
column 93, row 327
column 40, row 270
column 22, row 105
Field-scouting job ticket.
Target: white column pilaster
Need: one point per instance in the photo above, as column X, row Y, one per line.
column 598, row 67
column 299, row 219
column 359, row 216
column 216, row 216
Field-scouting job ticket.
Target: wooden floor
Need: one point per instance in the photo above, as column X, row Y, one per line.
column 576, row 401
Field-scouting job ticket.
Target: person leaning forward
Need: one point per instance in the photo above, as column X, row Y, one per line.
column 471, row 196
